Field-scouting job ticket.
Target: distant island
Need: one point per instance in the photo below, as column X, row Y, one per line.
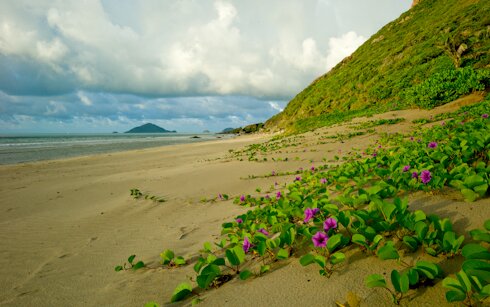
column 149, row 128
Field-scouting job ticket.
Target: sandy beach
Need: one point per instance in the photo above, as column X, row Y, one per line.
column 66, row 224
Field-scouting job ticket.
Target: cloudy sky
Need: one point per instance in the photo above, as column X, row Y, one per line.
column 188, row 65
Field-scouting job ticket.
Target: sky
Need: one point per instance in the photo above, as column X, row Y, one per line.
column 187, row 65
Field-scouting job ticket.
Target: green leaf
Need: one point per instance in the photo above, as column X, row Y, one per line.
column 307, row 259
column 487, row 225
column 455, row 296
column 400, row 281
column 421, row 230
column 167, row 256
column 232, row 257
column 473, row 181
column 282, row 254
column 419, row 215
column 118, row 268
column 413, row 276
column 481, row 189
column 207, row 247
column 387, row 210
column 469, row 195
column 477, row 268
column 181, row 292
column 453, row 284
column 475, row 251
column 428, row 269
column 264, row 268
column 411, row 242
column 131, row 259
column 375, row 280
column 208, row 275
column 320, row 260
column 196, row 301
column 337, row 257
column 359, row 239
column 464, row 281
column 138, row 265
column 180, row 260
column 388, row 251
column 245, row 274
column 261, row 248
column 485, row 291
column 151, row 304
column 480, row 235
column 334, row 242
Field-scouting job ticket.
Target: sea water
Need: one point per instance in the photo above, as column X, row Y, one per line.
column 37, row 147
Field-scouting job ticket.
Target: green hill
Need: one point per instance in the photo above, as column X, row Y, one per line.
column 433, row 53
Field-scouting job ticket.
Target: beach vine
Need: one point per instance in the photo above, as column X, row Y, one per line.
column 362, row 204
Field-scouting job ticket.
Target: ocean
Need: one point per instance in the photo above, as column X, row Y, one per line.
column 37, row 147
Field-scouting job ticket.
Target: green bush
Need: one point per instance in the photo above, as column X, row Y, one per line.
column 447, row 85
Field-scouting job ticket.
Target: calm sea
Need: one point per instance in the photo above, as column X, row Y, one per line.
column 26, row 148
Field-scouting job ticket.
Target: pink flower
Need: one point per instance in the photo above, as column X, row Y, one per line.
column 298, row 178
column 310, row 213
column 246, row 245
column 432, row 145
column 239, row 220
column 312, row 168
column 485, row 115
column 278, row 195
column 263, row 231
column 220, row 196
column 323, row 180
column 425, row 176
column 320, row 239
column 329, row 223
column 242, row 198
column 406, row 168
column 267, row 196
column 415, row 175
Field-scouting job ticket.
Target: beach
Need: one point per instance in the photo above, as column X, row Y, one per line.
column 66, row 224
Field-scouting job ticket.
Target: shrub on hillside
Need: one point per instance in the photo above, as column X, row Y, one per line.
column 446, row 86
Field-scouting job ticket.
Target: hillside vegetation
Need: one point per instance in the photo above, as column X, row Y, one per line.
column 437, row 51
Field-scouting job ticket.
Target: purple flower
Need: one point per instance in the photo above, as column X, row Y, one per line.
column 242, row 198
column 267, row 196
column 298, row 178
column 278, row 195
column 308, row 215
column 320, row 239
column 329, row 223
column 419, row 141
column 432, row 145
column 443, row 123
column 379, row 146
column 425, row 176
column 246, row 245
column 263, row 231
column 239, row 220
column 406, row 168
column 220, row 196
column 411, row 138
column 312, row 168
column 323, row 180
column 485, row 115
column 415, row 175
column 374, row 154
column 273, row 173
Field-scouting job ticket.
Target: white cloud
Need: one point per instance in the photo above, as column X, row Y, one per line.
column 340, row 47
column 84, row 99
